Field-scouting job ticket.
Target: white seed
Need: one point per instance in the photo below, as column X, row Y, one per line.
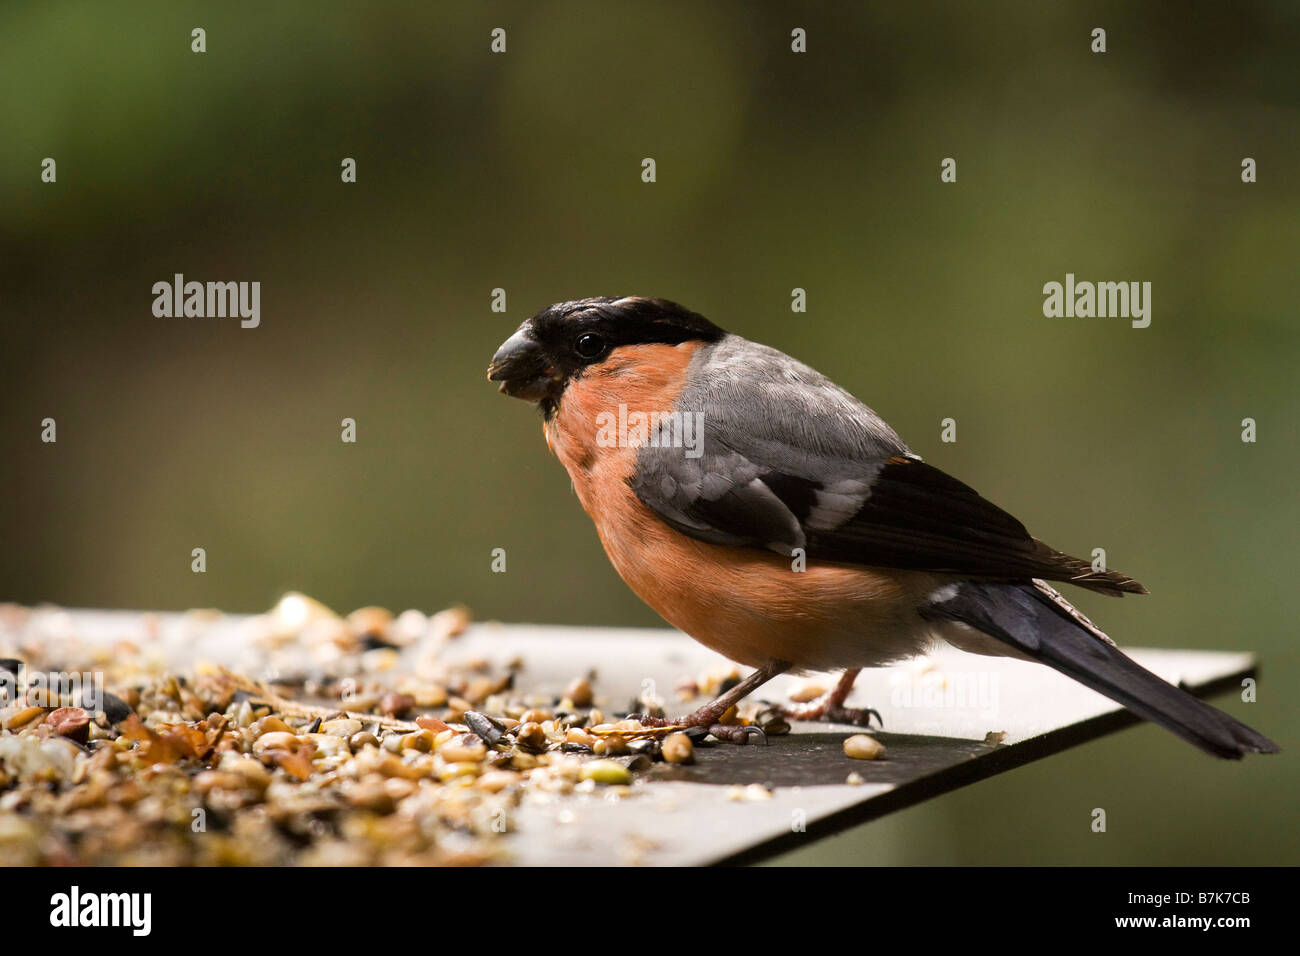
column 275, row 740
column 863, row 747
column 341, row 727
column 677, row 748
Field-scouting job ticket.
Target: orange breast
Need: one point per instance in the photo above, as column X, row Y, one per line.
column 748, row 604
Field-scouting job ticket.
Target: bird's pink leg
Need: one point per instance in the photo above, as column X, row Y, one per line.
column 829, row 707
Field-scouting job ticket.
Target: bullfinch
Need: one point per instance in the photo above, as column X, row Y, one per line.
column 769, row 514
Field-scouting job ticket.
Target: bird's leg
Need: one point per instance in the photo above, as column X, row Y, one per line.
column 829, row 707
column 708, row 715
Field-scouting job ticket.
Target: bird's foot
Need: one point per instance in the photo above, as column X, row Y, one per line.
column 830, row 711
column 706, row 718
column 717, row 716
column 829, row 707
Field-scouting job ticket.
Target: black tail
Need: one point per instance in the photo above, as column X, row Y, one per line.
column 1033, row 623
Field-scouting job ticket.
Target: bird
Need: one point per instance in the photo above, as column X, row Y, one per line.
column 769, row 514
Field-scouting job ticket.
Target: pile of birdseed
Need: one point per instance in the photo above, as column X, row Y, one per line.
column 338, row 740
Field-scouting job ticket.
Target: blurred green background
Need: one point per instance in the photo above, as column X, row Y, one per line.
column 775, row 170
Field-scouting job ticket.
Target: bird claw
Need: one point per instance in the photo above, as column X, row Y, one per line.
column 737, row 733
column 857, row 716
column 657, row 723
column 730, row 733
column 651, row 728
column 833, row 714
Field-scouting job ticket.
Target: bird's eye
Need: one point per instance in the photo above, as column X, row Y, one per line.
column 589, row 345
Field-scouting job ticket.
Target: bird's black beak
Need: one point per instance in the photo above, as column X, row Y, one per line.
column 523, row 370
